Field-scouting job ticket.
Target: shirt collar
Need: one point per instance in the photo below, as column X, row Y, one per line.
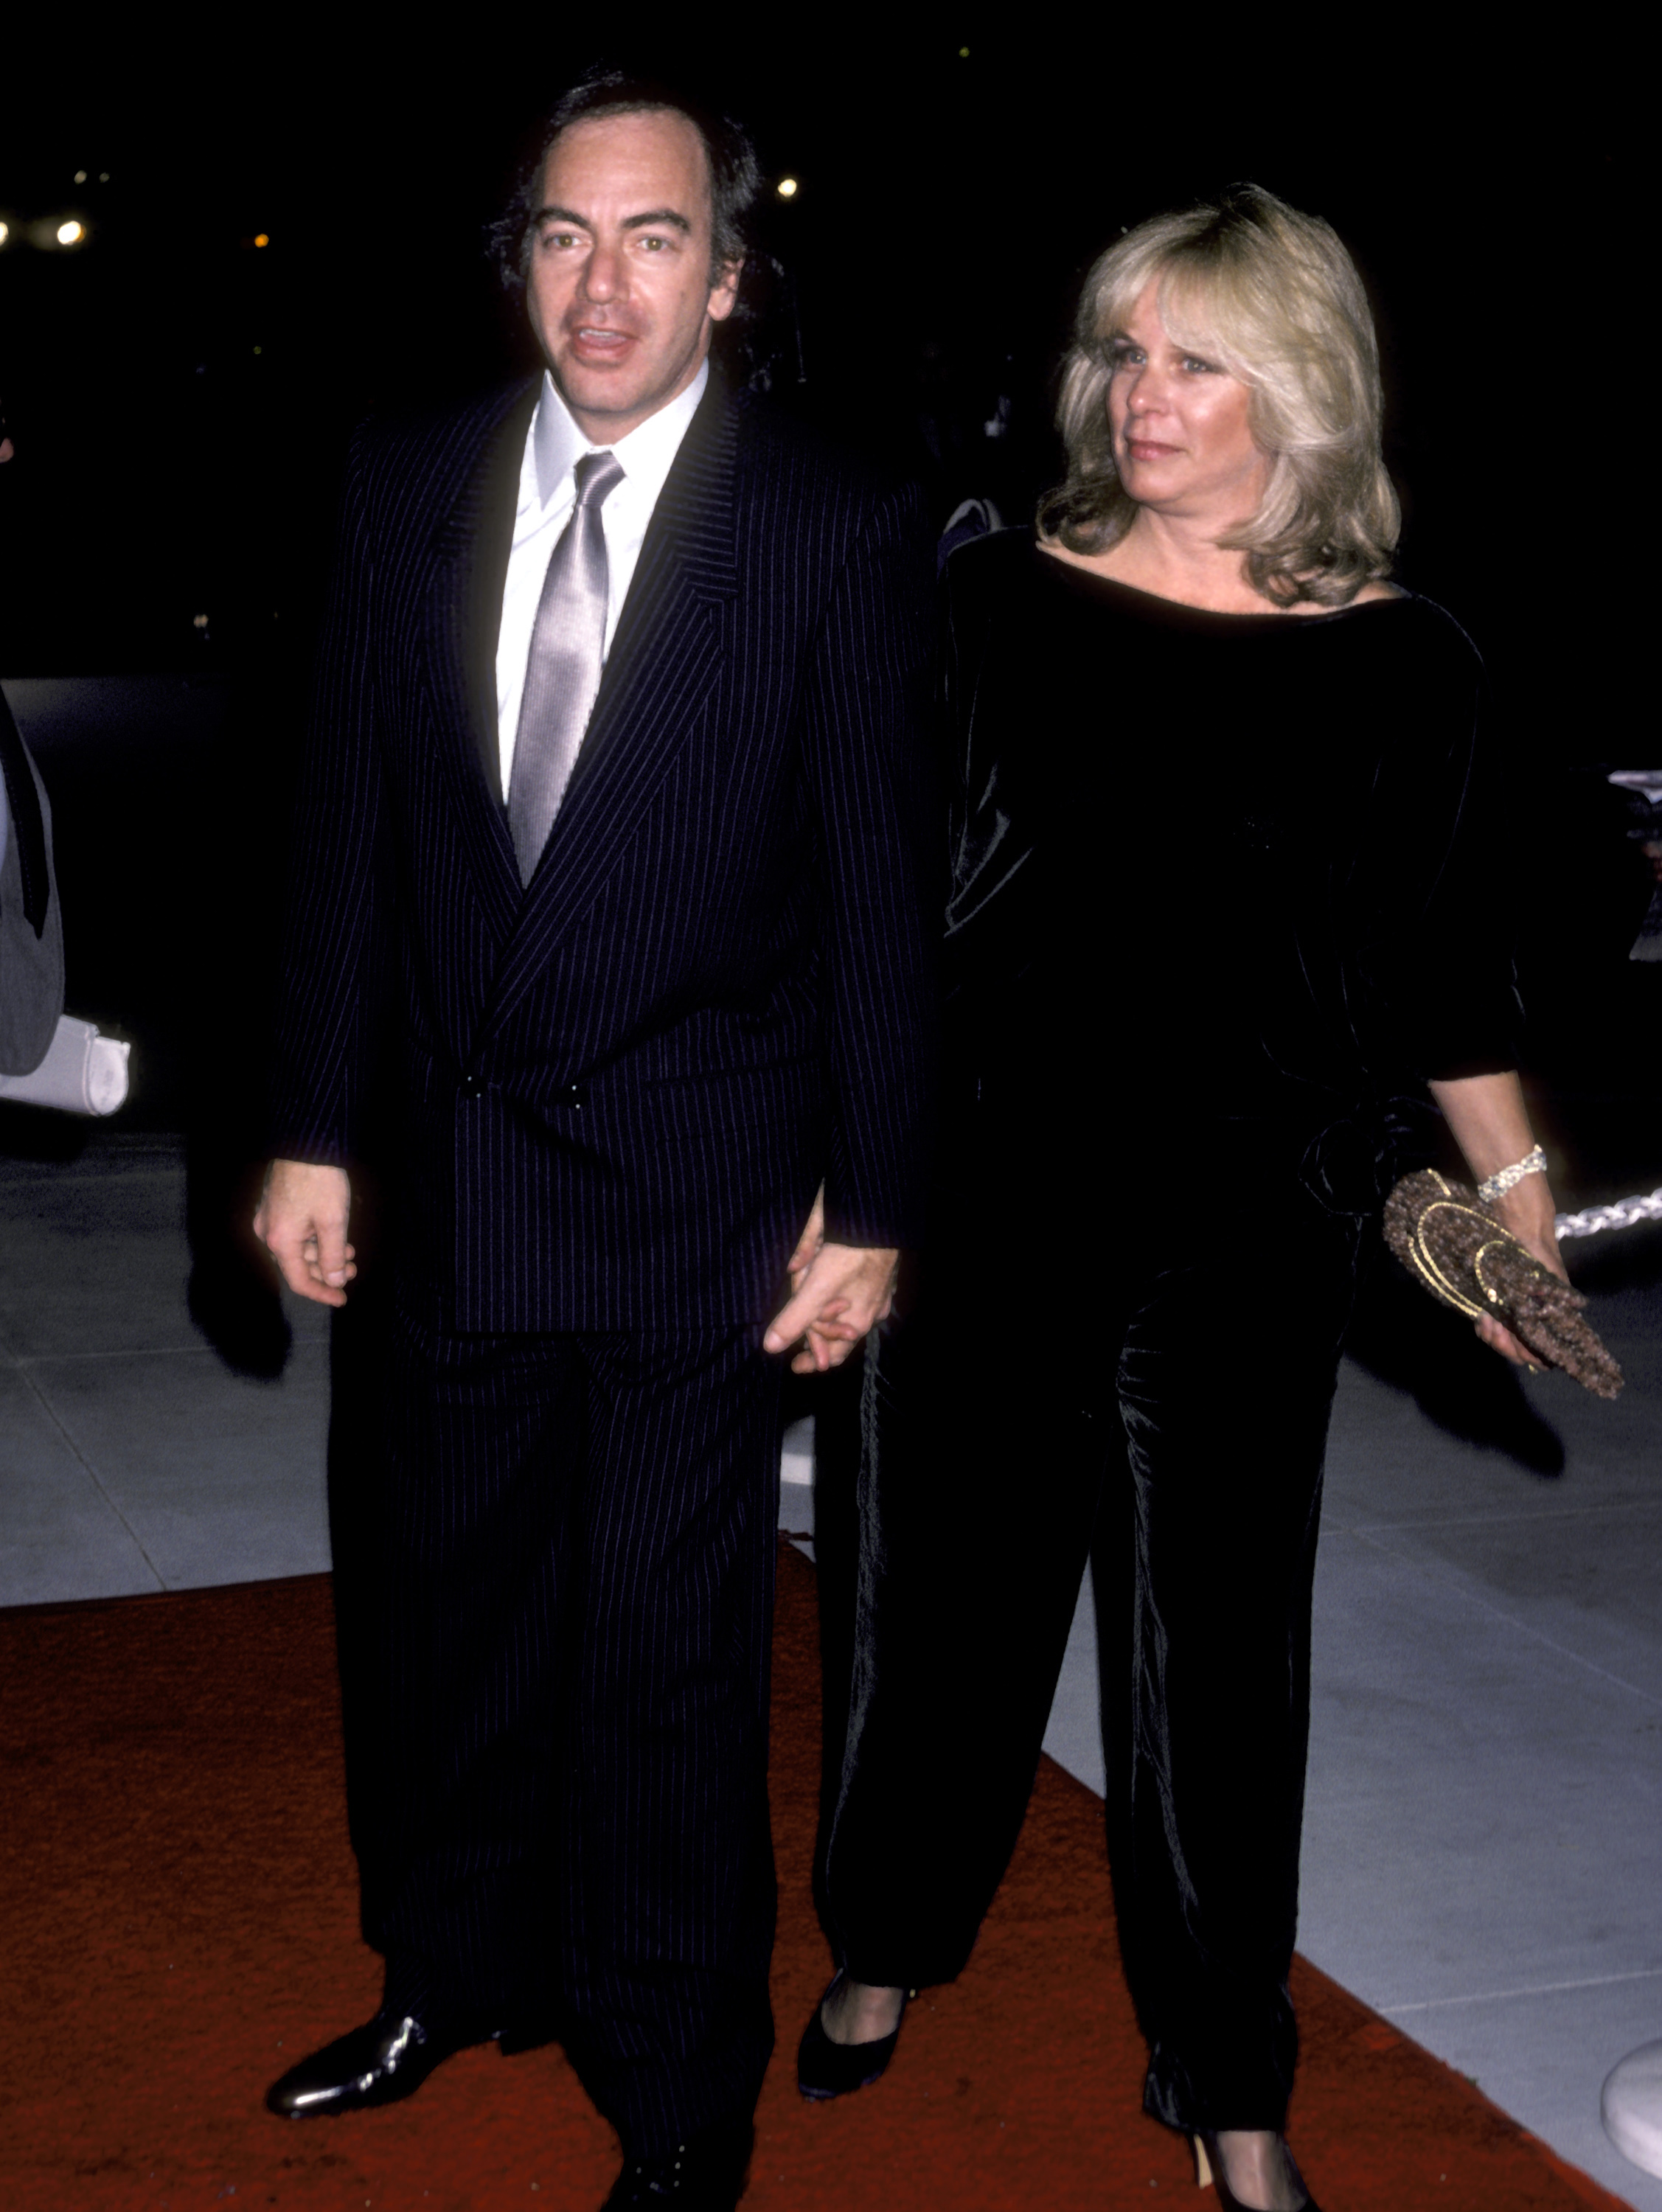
column 644, row 455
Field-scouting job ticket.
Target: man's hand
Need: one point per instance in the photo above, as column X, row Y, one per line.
column 809, row 1243
column 838, row 1292
column 302, row 1222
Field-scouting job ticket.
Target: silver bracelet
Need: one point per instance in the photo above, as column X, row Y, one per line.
column 1502, row 1180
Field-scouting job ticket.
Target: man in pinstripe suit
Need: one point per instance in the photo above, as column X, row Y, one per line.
column 629, row 1047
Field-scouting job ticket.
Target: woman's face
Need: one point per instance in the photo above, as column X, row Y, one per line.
column 1181, row 440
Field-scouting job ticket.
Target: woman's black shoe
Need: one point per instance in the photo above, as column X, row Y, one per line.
column 1209, row 2168
column 825, row 2068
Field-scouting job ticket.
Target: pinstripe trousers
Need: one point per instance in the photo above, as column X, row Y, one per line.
column 555, row 1565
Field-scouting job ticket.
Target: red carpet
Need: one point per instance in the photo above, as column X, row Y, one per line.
column 177, row 1922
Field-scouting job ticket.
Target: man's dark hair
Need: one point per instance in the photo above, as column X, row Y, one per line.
column 735, row 175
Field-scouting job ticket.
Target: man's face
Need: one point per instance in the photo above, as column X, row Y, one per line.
column 618, row 287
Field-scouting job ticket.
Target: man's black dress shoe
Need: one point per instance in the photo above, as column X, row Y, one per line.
column 826, row 2069
column 704, row 2175
column 385, row 2059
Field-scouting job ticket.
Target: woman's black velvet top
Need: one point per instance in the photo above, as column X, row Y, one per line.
column 1215, row 869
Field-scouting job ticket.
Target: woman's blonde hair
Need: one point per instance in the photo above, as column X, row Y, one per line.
column 1272, row 296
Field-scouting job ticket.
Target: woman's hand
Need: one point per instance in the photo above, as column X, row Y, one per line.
column 1490, row 1124
column 808, row 1244
column 838, row 1292
column 1527, row 1210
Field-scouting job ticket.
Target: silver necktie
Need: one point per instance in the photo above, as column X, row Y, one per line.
column 563, row 673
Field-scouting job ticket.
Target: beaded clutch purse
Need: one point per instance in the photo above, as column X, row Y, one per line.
column 1445, row 1237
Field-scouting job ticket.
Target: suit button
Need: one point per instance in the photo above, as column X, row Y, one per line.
column 472, row 1086
column 573, row 1095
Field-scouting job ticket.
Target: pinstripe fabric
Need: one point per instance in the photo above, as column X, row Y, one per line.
column 717, row 985
column 552, row 1483
column 560, row 1741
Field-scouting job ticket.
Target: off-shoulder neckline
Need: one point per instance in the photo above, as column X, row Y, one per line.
column 1180, row 611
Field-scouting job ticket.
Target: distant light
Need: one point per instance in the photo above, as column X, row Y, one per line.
column 69, row 233
column 786, row 188
column 259, row 349
column 198, row 622
column 5, row 231
column 81, row 176
column 103, row 176
column 964, row 53
column 262, row 238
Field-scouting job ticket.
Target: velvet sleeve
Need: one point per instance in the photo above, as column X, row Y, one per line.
column 991, row 824
column 1435, row 939
column 868, row 704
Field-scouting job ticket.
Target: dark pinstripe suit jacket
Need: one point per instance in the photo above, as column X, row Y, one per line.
column 618, row 1090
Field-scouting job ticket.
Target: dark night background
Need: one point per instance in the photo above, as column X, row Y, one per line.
column 180, row 396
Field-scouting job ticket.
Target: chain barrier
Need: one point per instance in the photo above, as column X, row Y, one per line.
column 1621, row 1215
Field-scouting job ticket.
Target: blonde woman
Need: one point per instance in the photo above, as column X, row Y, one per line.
column 1222, row 913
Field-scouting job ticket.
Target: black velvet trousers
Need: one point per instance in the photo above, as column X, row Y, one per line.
column 1150, row 1394
column 554, row 1565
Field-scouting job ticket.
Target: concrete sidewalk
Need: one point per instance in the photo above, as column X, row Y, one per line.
column 1483, row 1854
column 1483, row 1844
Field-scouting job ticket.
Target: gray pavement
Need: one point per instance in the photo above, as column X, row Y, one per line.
column 1483, row 1842
column 1482, row 1854
column 131, row 1459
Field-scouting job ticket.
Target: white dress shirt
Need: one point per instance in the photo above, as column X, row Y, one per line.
column 548, row 492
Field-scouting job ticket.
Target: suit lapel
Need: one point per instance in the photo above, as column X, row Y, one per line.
column 664, row 661
column 471, row 547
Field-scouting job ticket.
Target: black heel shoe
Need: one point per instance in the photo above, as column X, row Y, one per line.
column 1209, row 2168
column 826, row 2069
